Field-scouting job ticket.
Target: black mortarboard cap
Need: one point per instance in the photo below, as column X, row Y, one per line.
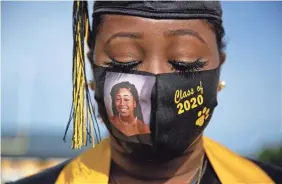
column 161, row 9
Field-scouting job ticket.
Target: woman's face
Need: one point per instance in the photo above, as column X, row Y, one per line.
column 155, row 42
column 125, row 102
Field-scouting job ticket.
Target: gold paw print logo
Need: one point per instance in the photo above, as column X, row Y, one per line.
column 202, row 116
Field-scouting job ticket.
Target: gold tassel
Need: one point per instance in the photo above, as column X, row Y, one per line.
column 82, row 113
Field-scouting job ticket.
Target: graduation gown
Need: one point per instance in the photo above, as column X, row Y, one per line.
column 223, row 166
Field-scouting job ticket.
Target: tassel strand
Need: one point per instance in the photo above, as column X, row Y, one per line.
column 82, row 111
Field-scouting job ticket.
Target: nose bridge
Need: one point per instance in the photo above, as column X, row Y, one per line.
column 156, row 64
column 122, row 101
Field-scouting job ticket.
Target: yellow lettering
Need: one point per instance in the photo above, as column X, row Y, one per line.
column 180, row 107
column 176, row 97
column 200, row 88
column 200, row 99
column 192, row 91
column 185, row 95
column 194, row 102
column 189, row 104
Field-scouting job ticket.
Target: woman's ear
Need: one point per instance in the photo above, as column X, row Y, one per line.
column 222, row 83
column 222, row 58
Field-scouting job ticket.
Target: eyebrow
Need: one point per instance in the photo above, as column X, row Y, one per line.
column 184, row 32
column 132, row 35
column 123, row 95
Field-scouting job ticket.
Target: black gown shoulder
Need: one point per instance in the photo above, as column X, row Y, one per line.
column 273, row 171
column 48, row 176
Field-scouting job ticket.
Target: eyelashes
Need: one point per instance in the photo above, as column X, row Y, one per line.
column 179, row 66
column 188, row 66
column 122, row 65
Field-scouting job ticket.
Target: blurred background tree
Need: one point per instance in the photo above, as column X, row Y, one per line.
column 271, row 155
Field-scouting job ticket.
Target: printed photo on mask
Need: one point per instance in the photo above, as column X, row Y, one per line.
column 128, row 104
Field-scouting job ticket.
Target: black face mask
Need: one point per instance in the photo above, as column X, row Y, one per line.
column 155, row 117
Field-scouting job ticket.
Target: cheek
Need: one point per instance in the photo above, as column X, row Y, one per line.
column 215, row 60
column 130, row 104
column 213, row 55
column 99, row 55
column 117, row 102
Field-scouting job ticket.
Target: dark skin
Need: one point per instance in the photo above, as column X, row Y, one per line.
column 154, row 43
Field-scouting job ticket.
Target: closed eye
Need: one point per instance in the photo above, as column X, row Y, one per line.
column 188, row 66
column 122, row 65
column 181, row 66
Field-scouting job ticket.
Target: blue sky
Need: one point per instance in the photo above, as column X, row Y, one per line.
column 36, row 72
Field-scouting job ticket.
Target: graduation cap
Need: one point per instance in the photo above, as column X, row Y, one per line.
column 82, row 116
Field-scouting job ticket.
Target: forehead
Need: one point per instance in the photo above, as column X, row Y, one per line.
column 122, row 23
column 123, row 91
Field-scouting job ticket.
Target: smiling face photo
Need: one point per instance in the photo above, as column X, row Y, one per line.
column 125, row 103
column 128, row 104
